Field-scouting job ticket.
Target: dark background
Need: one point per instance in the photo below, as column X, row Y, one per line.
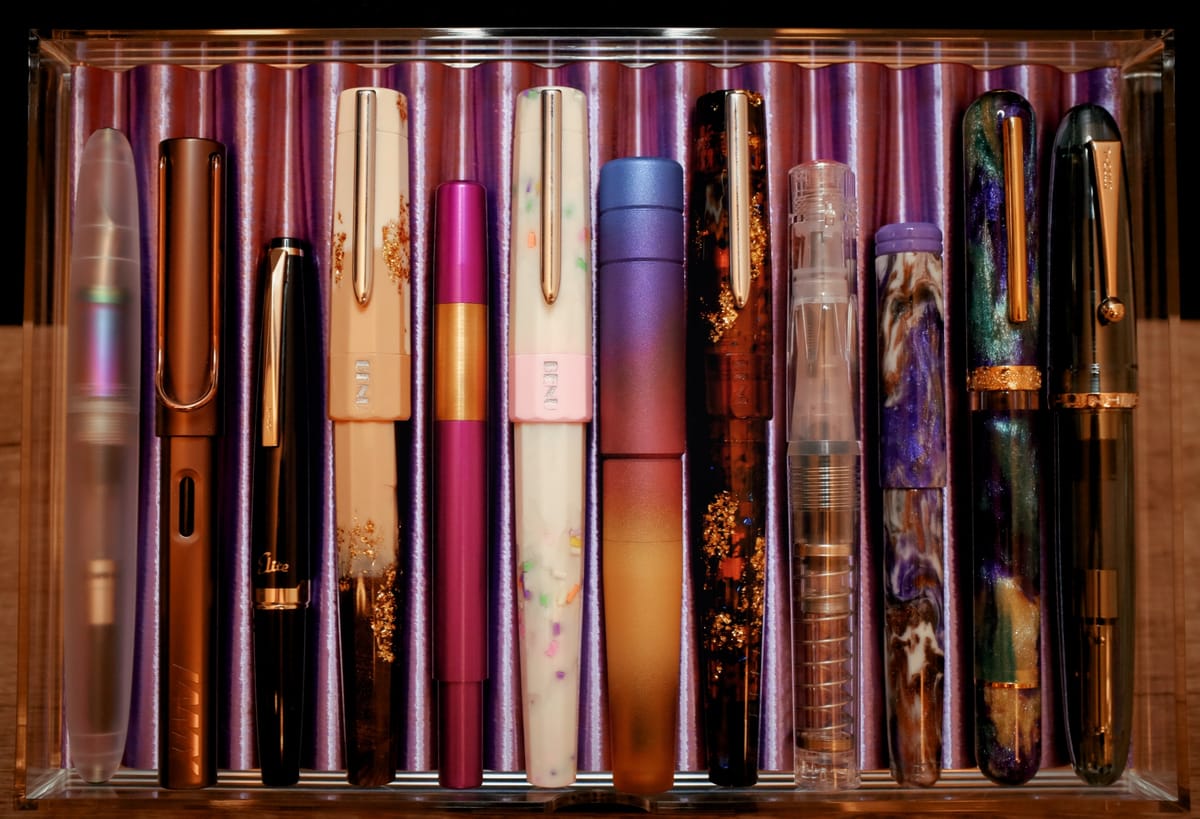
column 367, row 13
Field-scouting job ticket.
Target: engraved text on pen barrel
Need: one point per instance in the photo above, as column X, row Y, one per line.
column 362, row 382
column 550, row 385
column 185, row 716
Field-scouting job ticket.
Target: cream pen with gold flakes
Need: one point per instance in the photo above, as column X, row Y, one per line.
column 550, row 405
column 369, row 390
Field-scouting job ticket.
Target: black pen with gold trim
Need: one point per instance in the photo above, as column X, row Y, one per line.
column 282, row 507
column 1093, row 387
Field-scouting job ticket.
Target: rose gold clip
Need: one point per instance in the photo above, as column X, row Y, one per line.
column 1106, row 166
column 1013, row 135
column 551, row 193
column 364, row 201
column 272, row 346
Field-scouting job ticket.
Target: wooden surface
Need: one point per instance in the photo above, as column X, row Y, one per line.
column 1187, row 394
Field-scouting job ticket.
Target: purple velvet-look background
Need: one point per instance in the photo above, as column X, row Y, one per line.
column 898, row 129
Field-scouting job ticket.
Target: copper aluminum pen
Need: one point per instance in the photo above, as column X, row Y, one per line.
column 639, row 270
column 1093, row 387
column 729, row 391
column 100, row 529
column 550, row 405
column 824, row 464
column 370, row 384
column 282, row 503
column 191, row 238
column 912, row 476
column 1007, row 430
column 460, row 354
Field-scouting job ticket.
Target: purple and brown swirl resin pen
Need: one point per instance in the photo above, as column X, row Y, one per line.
column 729, row 390
column 912, row 475
column 460, row 432
column 1007, row 430
column 642, row 439
column 370, row 388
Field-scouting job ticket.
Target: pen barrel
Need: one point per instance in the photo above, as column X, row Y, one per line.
column 643, row 576
column 824, row 483
column 912, row 476
column 548, row 466
column 1094, row 453
column 187, row 617
column 461, row 598
column 461, row 581
column 367, row 536
column 1006, row 516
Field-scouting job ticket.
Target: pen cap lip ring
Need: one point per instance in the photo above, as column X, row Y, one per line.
column 908, row 237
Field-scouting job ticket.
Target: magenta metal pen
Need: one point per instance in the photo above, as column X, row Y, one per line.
column 460, row 474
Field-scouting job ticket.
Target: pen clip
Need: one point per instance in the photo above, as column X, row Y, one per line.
column 364, row 199
column 1012, row 132
column 272, row 344
column 1106, row 169
column 551, row 193
column 216, row 197
column 737, row 157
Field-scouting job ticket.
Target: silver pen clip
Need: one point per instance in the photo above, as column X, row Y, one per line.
column 364, row 199
column 737, row 153
column 1012, row 131
column 551, row 194
column 1106, row 170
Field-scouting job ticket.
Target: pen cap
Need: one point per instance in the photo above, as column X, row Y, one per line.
column 370, row 367
column 1001, row 238
column 460, row 302
column 105, row 311
column 191, row 237
column 908, row 237
column 460, row 268
column 912, row 372
column 823, row 214
column 641, row 315
column 550, row 297
column 1092, row 345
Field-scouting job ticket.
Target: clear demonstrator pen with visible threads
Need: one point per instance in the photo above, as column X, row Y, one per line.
column 823, row 472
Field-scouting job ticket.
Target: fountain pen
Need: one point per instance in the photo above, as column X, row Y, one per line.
column 1007, row 431
column 1093, row 387
column 282, row 504
column 729, row 345
column 370, row 389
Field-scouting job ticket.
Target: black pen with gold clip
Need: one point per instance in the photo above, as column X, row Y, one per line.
column 282, row 507
column 1093, row 387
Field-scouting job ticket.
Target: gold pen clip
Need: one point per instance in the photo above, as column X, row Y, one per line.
column 217, row 194
column 1012, row 131
column 1106, row 168
column 364, row 199
column 272, row 344
column 551, row 193
column 737, row 154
